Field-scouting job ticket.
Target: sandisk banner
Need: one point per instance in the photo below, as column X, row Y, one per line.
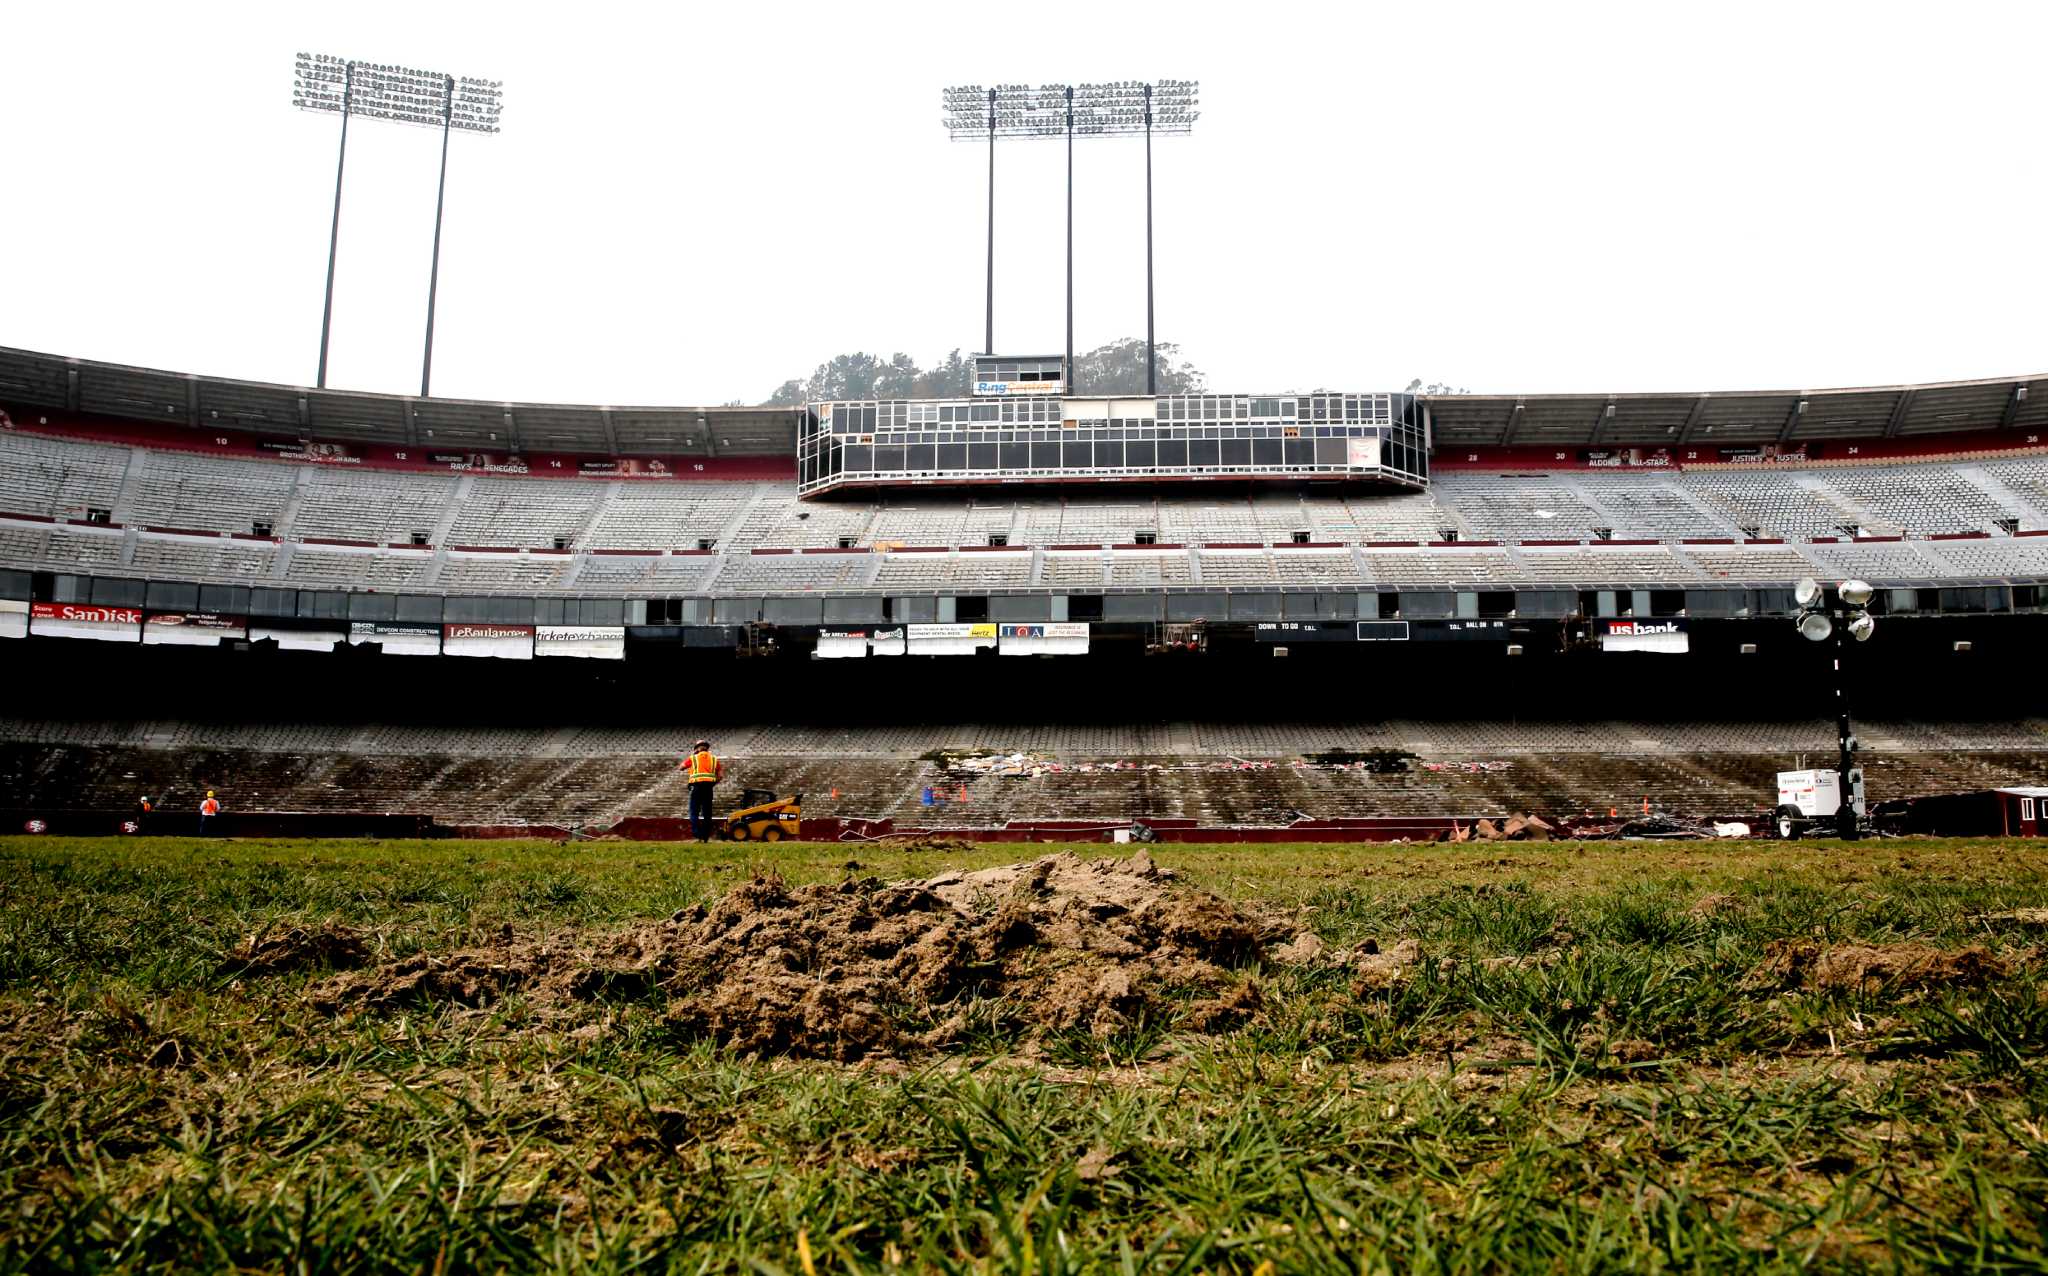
column 1666, row 636
column 397, row 637
column 73, row 620
column 298, row 639
column 1053, row 639
column 13, row 618
column 505, row 642
column 192, row 629
column 950, row 640
column 592, row 642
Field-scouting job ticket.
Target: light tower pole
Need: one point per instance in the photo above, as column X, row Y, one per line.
column 345, row 87
column 1846, row 617
column 1122, row 108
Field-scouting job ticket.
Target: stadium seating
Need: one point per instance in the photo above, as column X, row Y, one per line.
column 309, row 506
column 47, row 476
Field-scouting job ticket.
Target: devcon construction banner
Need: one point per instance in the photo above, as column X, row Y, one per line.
column 298, row 639
column 71, row 620
column 191, row 629
column 503, row 642
column 592, row 642
column 1058, row 639
column 396, row 637
column 950, row 640
column 13, row 618
column 1666, row 636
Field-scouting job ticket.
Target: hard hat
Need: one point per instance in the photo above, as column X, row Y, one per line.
column 703, row 744
column 209, row 793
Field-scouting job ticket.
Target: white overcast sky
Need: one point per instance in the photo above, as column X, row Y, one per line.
column 692, row 202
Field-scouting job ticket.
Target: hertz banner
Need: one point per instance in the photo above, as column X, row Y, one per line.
column 72, row 620
column 504, row 642
column 950, row 640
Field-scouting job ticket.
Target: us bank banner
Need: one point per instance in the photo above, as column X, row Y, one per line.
column 1666, row 636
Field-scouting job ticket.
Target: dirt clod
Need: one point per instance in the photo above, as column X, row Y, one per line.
column 865, row 968
column 328, row 946
column 1795, row 963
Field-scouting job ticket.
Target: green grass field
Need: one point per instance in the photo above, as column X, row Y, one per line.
column 1609, row 1057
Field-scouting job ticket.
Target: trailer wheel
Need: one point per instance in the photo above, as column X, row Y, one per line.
column 1788, row 817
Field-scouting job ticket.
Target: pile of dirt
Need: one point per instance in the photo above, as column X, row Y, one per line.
column 1799, row 963
column 867, row 967
column 328, row 946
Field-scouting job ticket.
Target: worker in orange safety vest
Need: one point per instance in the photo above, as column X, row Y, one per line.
column 207, row 810
column 702, row 770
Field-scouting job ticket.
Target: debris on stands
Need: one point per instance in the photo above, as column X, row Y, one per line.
column 1031, row 766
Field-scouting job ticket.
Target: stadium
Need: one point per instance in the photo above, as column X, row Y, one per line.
column 1041, row 812
column 1557, row 604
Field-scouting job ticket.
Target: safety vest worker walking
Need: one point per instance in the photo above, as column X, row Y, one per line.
column 702, row 770
column 207, row 810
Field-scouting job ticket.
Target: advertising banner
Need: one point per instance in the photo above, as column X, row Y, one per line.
column 13, row 618
column 886, row 642
column 1050, row 639
column 501, row 642
column 1667, row 636
column 1362, row 453
column 1626, row 457
column 842, row 644
column 626, row 467
column 192, row 629
column 298, row 639
column 1765, row 454
column 590, row 642
column 1018, row 387
column 479, row 462
column 1307, row 631
column 75, row 620
column 397, row 637
column 950, row 640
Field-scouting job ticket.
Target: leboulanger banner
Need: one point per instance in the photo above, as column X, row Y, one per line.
column 192, row 629
column 298, row 639
column 398, row 638
column 1666, row 636
column 1061, row 638
column 502, row 642
column 13, row 618
column 950, row 640
column 73, row 620
column 592, row 642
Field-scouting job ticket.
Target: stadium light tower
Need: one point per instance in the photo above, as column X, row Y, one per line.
column 1818, row 621
column 1122, row 108
column 406, row 95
